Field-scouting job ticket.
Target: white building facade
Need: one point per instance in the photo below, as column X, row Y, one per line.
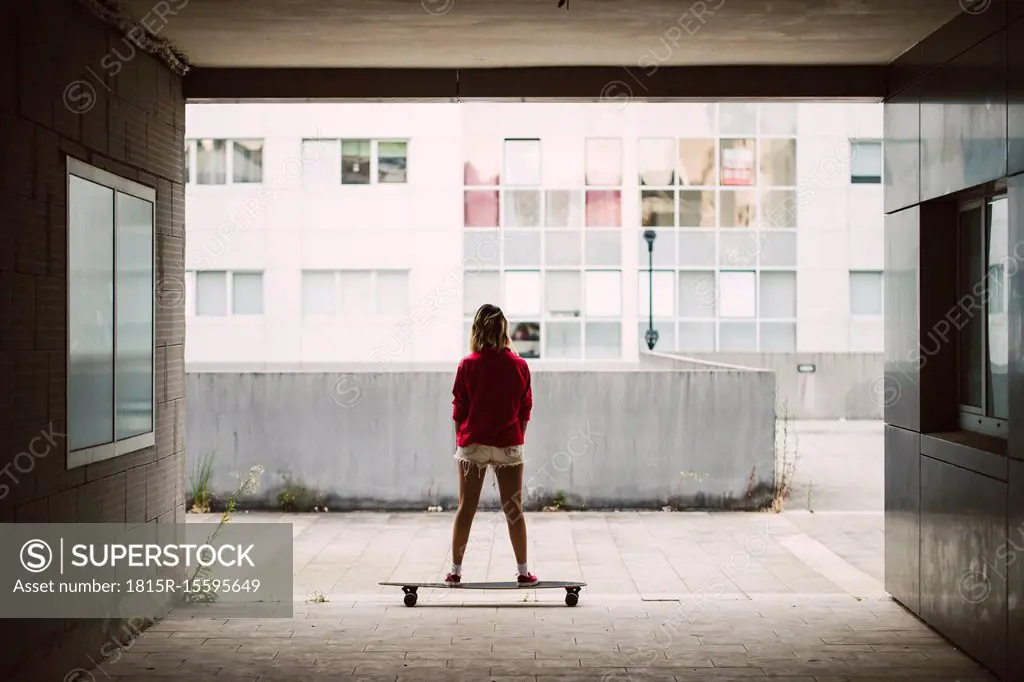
column 369, row 233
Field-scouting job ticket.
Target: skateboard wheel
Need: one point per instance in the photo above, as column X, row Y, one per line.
column 410, row 599
column 571, row 599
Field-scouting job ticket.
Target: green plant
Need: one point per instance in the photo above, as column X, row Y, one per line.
column 787, row 456
column 199, row 482
column 317, row 597
column 295, row 496
column 559, row 501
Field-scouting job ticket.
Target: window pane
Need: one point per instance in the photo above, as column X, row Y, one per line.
column 778, row 337
column 526, row 338
column 666, row 335
column 603, row 247
column 866, row 161
column 604, row 162
column 91, row 314
column 188, row 161
column 697, row 248
column 778, row 118
column 356, row 294
column 604, row 208
column 247, row 293
column 971, row 272
column 481, row 288
column 481, row 208
column 522, row 293
column 563, row 293
column 738, row 296
column 563, row 248
column 211, row 292
column 657, row 161
column 604, row 293
column 564, row 340
column 778, row 163
column 737, row 118
column 657, row 208
column 696, row 337
column 865, row 293
column 483, row 248
column 738, row 248
column 522, row 248
column 998, row 311
column 134, row 287
column 697, row 294
column 696, row 208
column 697, row 162
column 211, row 162
column 522, row 163
column 522, row 208
column 778, row 208
column 778, row 294
column 778, row 248
column 739, row 207
column 664, row 249
column 392, row 160
column 392, row 293
column 247, row 161
column 355, row 162
column 321, row 163
column 564, row 208
column 318, row 294
column 604, row 340
column 483, row 161
column 738, row 162
column 664, row 304
column 737, row 337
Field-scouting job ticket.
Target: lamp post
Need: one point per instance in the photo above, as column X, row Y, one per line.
column 652, row 334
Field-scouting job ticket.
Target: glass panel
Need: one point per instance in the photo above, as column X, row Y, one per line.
column 392, row 293
column 188, row 161
column 778, row 337
column 247, row 293
column 564, row 340
column 483, row 248
column 739, row 207
column 696, row 337
column 134, row 286
column 481, row 208
column 778, row 294
column 778, row 118
column 356, row 294
column 998, row 311
column 697, row 248
column 211, row 293
column 738, row 162
column 604, row 340
column 604, row 162
column 666, row 334
column 697, row 162
column 657, row 161
column 90, row 314
column 522, row 163
column 865, row 293
column 738, row 295
column 603, row 248
column 697, row 293
column 738, row 248
column 779, row 208
column 604, row 208
column 392, row 162
column 563, row 293
column 657, row 208
column 247, row 164
column 971, row 272
column 522, row 208
column 522, row 293
column 737, row 118
column 696, row 208
column 563, row 248
column 483, row 161
column 526, row 338
column 321, row 163
column 481, row 288
column 564, row 208
column 866, row 161
column 318, row 294
column 778, row 163
column 778, row 248
column 355, row 162
column 522, row 248
column 737, row 337
column 211, row 162
column 603, row 293
column 664, row 304
column 664, row 249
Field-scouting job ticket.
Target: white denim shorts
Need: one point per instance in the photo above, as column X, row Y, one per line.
column 488, row 455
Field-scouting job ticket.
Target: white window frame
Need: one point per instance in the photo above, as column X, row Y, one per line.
column 881, row 160
column 229, row 291
column 116, row 448
column 881, row 293
column 374, row 274
column 229, row 162
column 374, row 161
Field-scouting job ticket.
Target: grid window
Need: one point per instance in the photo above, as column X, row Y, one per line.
column 604, row 162
column 522, row 163
column 777, row 295
column 222, row 162
column 321, row 163
column 355, row 294
column 737, row 118
column 355, row 162
column 247, row 161
column 865, row 293
column 603, row 291
column 211, row 293
column 480, row 288
column 482, row 165
column 659, row 298
column 737, row 294
column 657, row 161
column 697, row 162
column 739, row 162
column 522, row 208
column 564, row 340
column 522, row 294
column 563, row 293
column 698, row 294
column 777, row 165
column 392, row 162
column 657, row 208
column 211, row 162
column 564, row 208
column 603, row 340
column 365, row 162
column 319, row 294
column 866, row 162
column 247, row 293
column 220, row 293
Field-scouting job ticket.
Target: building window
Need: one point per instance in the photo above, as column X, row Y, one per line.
column 737, row 294
column 110, row 385
column 220, row 293
column 355, row 294
column 865, row 293
column 983, row 337
column 866, row 162
column 221, row 162
column 365, row 162
column 603, row 169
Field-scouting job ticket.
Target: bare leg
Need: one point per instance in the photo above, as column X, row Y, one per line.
column 510, row 487
column 471, row 482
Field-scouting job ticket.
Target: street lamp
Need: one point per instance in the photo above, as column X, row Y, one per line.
column 652, row 334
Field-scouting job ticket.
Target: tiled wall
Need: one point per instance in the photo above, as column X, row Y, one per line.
column 51, row 63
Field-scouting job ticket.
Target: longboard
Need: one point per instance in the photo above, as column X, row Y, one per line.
column 572, row 589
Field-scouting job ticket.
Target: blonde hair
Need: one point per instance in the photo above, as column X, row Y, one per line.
column 490, row 329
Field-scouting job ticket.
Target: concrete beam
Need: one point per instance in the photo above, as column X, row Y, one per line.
column 613, row 84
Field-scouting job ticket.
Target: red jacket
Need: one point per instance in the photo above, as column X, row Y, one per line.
column 493, row 399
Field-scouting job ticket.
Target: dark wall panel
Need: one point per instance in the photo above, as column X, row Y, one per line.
column 1014, row 552
column 901, row 173
column 902, row 319
column 1015, row 95
column 902, row 506
column 1015, row 196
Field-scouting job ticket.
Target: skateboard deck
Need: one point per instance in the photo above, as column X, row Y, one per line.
column 572, row 589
